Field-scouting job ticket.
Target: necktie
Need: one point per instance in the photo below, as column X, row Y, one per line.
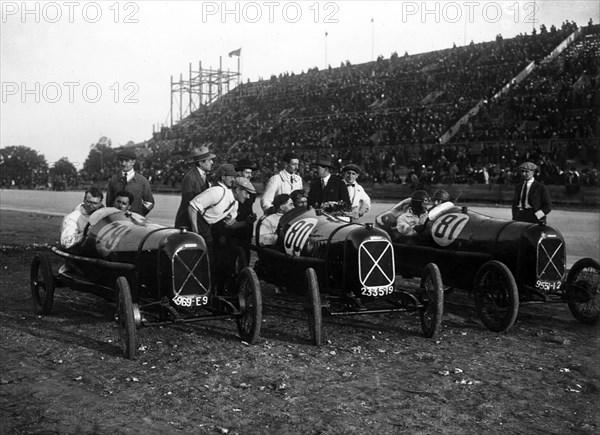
column 124, row 179
column 322, row 183
column 524, row 195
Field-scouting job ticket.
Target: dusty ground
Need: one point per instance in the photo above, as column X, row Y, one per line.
column 64, row 373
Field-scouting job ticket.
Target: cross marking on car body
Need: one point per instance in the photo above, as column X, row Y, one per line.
column 376, row 263
column 190, row 272
column 550, row 258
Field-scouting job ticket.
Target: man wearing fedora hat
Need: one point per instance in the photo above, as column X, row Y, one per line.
column 128, row 179
column 327, row 187
column 360, row 201
column 531, row 202
column 194, row 182
column 285, row 181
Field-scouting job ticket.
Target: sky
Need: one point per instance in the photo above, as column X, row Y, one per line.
column 74, row 71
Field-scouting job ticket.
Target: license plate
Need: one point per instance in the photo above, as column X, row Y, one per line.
column 377, row 291
column 548, row 285
column 190, row 301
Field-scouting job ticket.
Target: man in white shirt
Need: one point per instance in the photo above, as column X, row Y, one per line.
column 216, row 207
column 285, row 181
column 73, row 224
column 360, row 201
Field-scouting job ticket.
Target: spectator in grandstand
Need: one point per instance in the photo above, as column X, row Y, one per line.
column 531, row 202
column 299, row 198
column 285, row 181
column 328, row 187
column 194, row 182
column 416, row 215
column 128, row 179
column 268, row 225
column 74, row 224
column 359, row 200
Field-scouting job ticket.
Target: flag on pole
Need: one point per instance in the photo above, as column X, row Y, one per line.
column 235, row 52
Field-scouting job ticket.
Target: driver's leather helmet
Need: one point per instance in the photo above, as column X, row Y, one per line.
column 417, row 199
column 440, row 196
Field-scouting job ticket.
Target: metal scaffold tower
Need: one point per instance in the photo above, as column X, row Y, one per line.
column 203, row 87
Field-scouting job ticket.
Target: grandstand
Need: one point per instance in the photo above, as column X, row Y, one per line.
column 462, row 115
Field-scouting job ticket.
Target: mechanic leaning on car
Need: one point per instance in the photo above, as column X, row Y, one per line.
column 531, row 202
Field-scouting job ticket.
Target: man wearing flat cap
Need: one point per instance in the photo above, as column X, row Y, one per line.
column 531, row 202
column 215, row 209
column 285, row 181
column 194, row 182
column 128, row 179
column 360, row 201
column 327, row 187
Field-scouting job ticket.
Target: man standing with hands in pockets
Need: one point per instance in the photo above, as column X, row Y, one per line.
column 531, row 202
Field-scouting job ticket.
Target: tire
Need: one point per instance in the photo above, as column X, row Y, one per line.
column 432, row 297
column 250, row 300
column 583, row 291
column 42, row 284
column 496, row 296
column 125, row 318
column 313, row 306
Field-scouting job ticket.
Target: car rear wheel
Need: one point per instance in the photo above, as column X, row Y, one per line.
column 583, row 291
column 42, row 284
column 496, row 296
column 250, row 300
column 126, row 318
column 432, row 297
column 313, row 306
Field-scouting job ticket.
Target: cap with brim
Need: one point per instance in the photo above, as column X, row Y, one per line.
column 227, row 170
column 528, row 166
column 351, row 167
column 202, row 153
column 244, row 164
column 245, row 184
column 126, row 154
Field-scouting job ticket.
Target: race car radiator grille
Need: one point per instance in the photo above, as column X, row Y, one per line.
column 190, row 272
column 551, row 259
column 376, row 263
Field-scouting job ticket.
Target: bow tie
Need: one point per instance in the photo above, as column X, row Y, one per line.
column 350, row 184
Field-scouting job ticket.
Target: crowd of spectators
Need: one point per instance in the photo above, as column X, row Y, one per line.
column 388, row 116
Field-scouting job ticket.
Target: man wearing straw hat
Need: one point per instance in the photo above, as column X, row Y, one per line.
column 194, row 182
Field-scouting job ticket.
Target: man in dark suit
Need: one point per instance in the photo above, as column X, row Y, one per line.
column 531, row 202
column 194, row 183
column 327, row 187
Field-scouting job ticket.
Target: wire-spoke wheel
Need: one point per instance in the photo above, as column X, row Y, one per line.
column 496, row 296
column 583, row 291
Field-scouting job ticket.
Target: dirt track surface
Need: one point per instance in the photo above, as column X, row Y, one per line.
column 64, row 373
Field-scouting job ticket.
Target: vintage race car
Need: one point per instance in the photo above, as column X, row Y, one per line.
column 343, row 268
column 503, row 263
column 156, row 275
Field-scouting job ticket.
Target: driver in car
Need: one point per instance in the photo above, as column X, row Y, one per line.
column 416, row 215
column 74, row 224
